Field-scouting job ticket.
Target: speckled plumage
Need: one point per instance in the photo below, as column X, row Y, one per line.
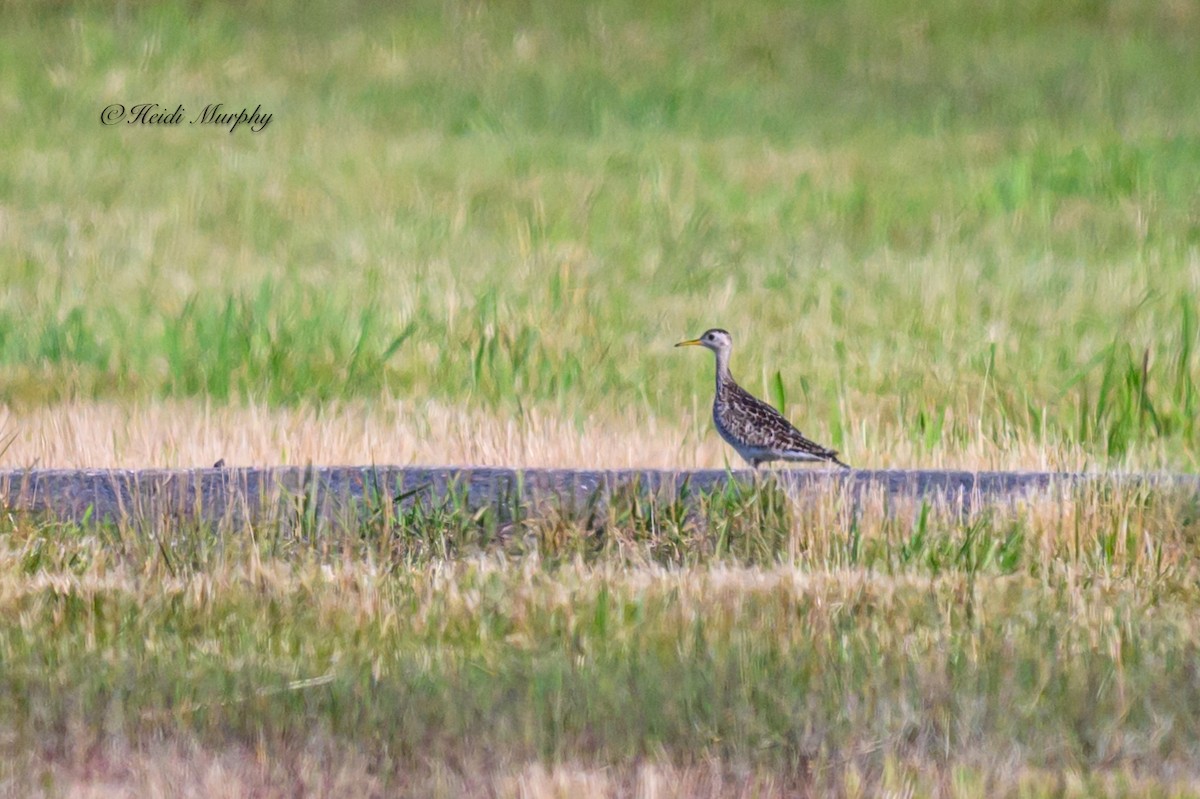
column 757, row 431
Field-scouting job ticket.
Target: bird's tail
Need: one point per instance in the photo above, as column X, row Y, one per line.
column 833, row 456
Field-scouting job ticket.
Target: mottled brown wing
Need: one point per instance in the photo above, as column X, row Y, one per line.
column 762, row 425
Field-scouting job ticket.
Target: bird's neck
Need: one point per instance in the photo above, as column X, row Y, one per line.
column 723, row 375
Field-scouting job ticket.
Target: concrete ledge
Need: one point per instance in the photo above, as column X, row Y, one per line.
column 257, row 495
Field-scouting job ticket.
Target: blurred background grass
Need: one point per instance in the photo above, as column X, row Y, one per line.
column 951, row 221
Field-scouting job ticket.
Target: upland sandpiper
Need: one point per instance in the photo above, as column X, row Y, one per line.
column 756, row 430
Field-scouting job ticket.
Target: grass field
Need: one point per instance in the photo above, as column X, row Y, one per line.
column 758, row 646
column 957, row 227
column 948, row 234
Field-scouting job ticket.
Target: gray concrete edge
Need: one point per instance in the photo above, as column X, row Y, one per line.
column 257, row 495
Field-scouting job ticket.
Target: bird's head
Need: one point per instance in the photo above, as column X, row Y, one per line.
column 717, row 340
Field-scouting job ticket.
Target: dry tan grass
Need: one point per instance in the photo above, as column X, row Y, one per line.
column 196, row 434
column 177, row 771
column 120, row 435
column 186, row 771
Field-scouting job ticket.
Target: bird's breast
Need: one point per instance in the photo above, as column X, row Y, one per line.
column 727, row 424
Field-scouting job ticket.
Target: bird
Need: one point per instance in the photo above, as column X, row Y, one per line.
column 757, row 431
